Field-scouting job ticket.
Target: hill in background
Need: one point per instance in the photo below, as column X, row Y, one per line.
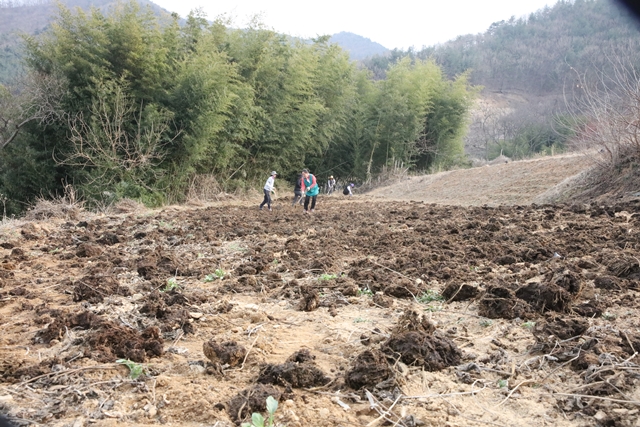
column 33, row 17
column 532, row 70
column 538, row 54
column 358, row 47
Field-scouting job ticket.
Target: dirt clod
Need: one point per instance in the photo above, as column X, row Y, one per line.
column 310, row 299
column 500, row 303
column 298, row 371
column 433, row 352
column 369, row 369
column 228, row 353
column 250, row 400
column 543, row 297
column 460, row 292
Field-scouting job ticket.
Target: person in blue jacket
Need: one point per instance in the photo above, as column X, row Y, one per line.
column 310, row 189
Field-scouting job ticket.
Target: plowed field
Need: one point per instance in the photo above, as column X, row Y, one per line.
column 366, row 313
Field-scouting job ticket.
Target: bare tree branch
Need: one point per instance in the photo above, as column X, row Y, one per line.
column 114, row 144
column 34, row 98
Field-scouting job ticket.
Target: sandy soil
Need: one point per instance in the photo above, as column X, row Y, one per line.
column 513, row 183
column 367, row 313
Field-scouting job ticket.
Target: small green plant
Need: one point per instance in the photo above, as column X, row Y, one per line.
column 365, row 292
column 608, row 316
column 275, row 262
column 136, row 370
column 528, row 325
column 172, row 285
column 257, row 420
column 326, row 277
column 433, row 308
column 485, row 323
column 429, row 296
column 360, row 320
column 218, row 274
column 503, row 383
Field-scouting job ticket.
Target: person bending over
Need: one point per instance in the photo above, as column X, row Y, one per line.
column 310, row 189
column 347, row 190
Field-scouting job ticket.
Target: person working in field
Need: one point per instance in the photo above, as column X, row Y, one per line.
column 347, row 190
column 311, row 190
column 297, row 191
column 268, row 188
column 331, row 184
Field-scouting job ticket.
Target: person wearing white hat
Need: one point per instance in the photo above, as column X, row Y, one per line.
column 269, row 187
column 331, row 184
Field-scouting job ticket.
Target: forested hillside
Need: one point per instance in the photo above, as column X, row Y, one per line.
column 533, row 69
column 126, row 104
column 538, row 54
column 19, row 17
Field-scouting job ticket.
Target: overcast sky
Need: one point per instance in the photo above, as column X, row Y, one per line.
column 393, row 24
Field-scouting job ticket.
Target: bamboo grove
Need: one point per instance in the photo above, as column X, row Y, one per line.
column 148, row 103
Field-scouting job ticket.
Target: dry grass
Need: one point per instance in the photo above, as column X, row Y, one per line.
column 205, row 188
column 388, row 176
column 605, row 182
column 67, row 206
column 128, row 206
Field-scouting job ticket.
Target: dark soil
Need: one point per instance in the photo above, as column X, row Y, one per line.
column 250, row 400
column 369, row 369
column 227, row 353
column 298, row 371
column 432, row 352
column 114, row 341
column 499, row 302
column 460, row 292
column 561, row 284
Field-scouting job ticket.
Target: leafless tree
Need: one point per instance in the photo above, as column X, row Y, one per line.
column 35, row 97
column 114, row 143
column 607, row 112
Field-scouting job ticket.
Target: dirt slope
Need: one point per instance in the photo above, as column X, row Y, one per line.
column 513, row 183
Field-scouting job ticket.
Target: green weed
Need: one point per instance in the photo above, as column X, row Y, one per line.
column 218, row 274
column 136, row 370
column 326, row 277
column 528, row 325
column 172, row 285
column 360, row 320
column 366, row 292
column 429, row 296
column 257, row 420
column 608, row 316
